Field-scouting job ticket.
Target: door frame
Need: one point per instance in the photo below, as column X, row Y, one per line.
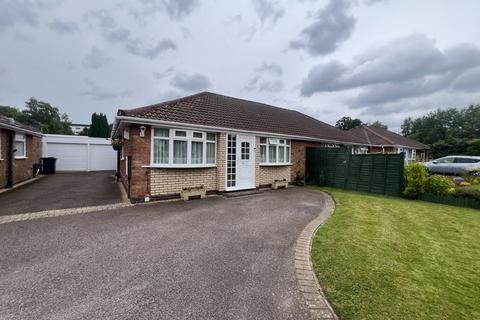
column 254, row 154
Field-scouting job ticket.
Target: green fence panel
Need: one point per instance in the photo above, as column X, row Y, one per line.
column 457, row 202
column 375, row 173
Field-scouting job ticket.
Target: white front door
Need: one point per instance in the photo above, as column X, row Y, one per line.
column 240, row 162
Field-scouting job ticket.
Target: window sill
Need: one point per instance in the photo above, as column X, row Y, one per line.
column 180, row 166
column 21, row 158
column 275, row 164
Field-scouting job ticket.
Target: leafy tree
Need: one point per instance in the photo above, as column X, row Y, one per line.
column 378, row 124
column 84, row 132
column 42, row 114
column 347, row 123
column 99, row 126
column 474, row 148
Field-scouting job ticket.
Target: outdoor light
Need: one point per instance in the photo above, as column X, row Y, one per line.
column 142, row 131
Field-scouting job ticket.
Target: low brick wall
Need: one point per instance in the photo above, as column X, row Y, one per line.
column 268, row 174
column 172, row 181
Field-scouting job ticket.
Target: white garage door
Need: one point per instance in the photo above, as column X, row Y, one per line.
column 102, row 157
column 70, row 157
column 76, row 153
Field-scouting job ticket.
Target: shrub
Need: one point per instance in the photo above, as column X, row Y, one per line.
column 476, row 182
column 439, row 185
column 416, row 177
column 464, row 184
column 468, row 192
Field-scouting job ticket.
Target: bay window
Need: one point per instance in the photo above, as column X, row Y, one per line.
column 183, row 148
column 274, row 151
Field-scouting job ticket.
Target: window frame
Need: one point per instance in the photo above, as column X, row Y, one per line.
column 277, row 144
column 24, row 140
column 189, row 138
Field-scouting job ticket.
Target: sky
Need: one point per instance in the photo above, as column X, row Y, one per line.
column 372, row 59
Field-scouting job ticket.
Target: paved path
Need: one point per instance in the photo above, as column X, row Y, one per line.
column 60, row 191
column 215, row 258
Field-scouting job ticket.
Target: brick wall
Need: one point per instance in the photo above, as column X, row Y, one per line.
column 268, row 174
column 22, row 168
column 298, row 156
column 172, row 181
column 221, row 161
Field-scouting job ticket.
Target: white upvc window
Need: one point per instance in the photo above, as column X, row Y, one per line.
column 414, row 154
column 274, row 151
column 20, row 145
column 173, row 147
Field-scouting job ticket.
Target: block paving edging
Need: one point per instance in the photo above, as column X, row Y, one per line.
column 59, row 212
column 306, row 279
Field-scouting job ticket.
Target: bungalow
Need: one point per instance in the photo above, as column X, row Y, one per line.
column 377, row 140
column 20, row 149
column 215, row 141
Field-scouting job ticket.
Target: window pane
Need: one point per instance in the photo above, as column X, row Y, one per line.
column 160, row 151
column 272, row 154
column 19, row 137
column 180, row 133
column 197, row 152
column 179, row 152
column 281, row 154
column 20, row 146
column 198, row 135
column 263, row 154
column 211, row 136
column 210, row 153
column 157, row 132
column 263, row 140
column 287, row 155
column 245, row 151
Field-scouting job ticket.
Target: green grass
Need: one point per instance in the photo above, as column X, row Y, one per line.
column 381, row 257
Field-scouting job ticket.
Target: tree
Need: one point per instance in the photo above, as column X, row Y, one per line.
column 99, row 126
column 378, row 124
column 84, row 132
column 42, row 114
column 347, row 123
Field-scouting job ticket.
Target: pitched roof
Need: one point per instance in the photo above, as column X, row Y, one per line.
column 9, row 123
column 215, row 110
column 383, row 137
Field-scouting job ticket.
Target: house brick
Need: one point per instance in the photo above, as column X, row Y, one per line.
column 298, row 156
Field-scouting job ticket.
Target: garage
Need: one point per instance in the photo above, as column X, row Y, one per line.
column 79, row 153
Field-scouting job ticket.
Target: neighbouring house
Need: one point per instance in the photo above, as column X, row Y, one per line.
column 215, row 141
column 377, row 140
column 77, row 127
column 20, row 149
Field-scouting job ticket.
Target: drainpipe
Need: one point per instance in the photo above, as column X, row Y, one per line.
column 11, row 156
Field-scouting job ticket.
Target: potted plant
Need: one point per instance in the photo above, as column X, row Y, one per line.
column 118, row 143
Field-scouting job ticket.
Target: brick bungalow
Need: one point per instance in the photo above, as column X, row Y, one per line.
column 20, row 149
column 215, row 141
column 377, row 140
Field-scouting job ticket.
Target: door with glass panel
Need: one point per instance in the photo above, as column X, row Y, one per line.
column 240, row 162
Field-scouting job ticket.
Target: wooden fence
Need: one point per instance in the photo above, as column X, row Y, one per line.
column 337, row 167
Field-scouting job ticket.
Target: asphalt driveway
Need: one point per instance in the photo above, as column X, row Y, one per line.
column 215, row 258
column 62, row 191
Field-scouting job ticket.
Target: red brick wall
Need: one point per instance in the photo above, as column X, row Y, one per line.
column 22, row 168
column 298, row 156
column 381, row 150
column 139, row 148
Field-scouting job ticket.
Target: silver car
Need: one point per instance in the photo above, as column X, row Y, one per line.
column 454, row 165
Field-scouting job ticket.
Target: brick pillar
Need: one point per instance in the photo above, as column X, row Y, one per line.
column 139, row 148
column 221, row 161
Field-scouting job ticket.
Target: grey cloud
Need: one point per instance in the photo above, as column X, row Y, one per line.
column 252, row 84
column 175, row 9
column 160, row 75
column 137, row 47
column 271, row 68
column 119, row 35
column 392, row 68
column 100, row 17
column 192, row 82
column 99, row 93
column 61, row 26
column 268, row 10
column 2, row 70
column 332, row 26
column 95, row 59
column 13, row 12
column 271, row 86
column 373, row 2
column 468, row 81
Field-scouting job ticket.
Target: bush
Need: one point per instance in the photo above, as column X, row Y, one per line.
column 439, row 185
column 464, row 184
column 476, row 182
column 416, row 177
column 468, row 192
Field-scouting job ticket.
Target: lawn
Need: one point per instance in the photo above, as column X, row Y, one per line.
column 381, row 257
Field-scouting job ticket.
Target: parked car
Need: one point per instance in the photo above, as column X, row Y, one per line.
column 454, row 165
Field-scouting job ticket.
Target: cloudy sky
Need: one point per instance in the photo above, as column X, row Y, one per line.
column 374, row 59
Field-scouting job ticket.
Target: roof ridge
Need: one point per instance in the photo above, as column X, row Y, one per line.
column 378, row 134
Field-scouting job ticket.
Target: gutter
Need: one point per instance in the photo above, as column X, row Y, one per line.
column 17, row 129
column 119, row 119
